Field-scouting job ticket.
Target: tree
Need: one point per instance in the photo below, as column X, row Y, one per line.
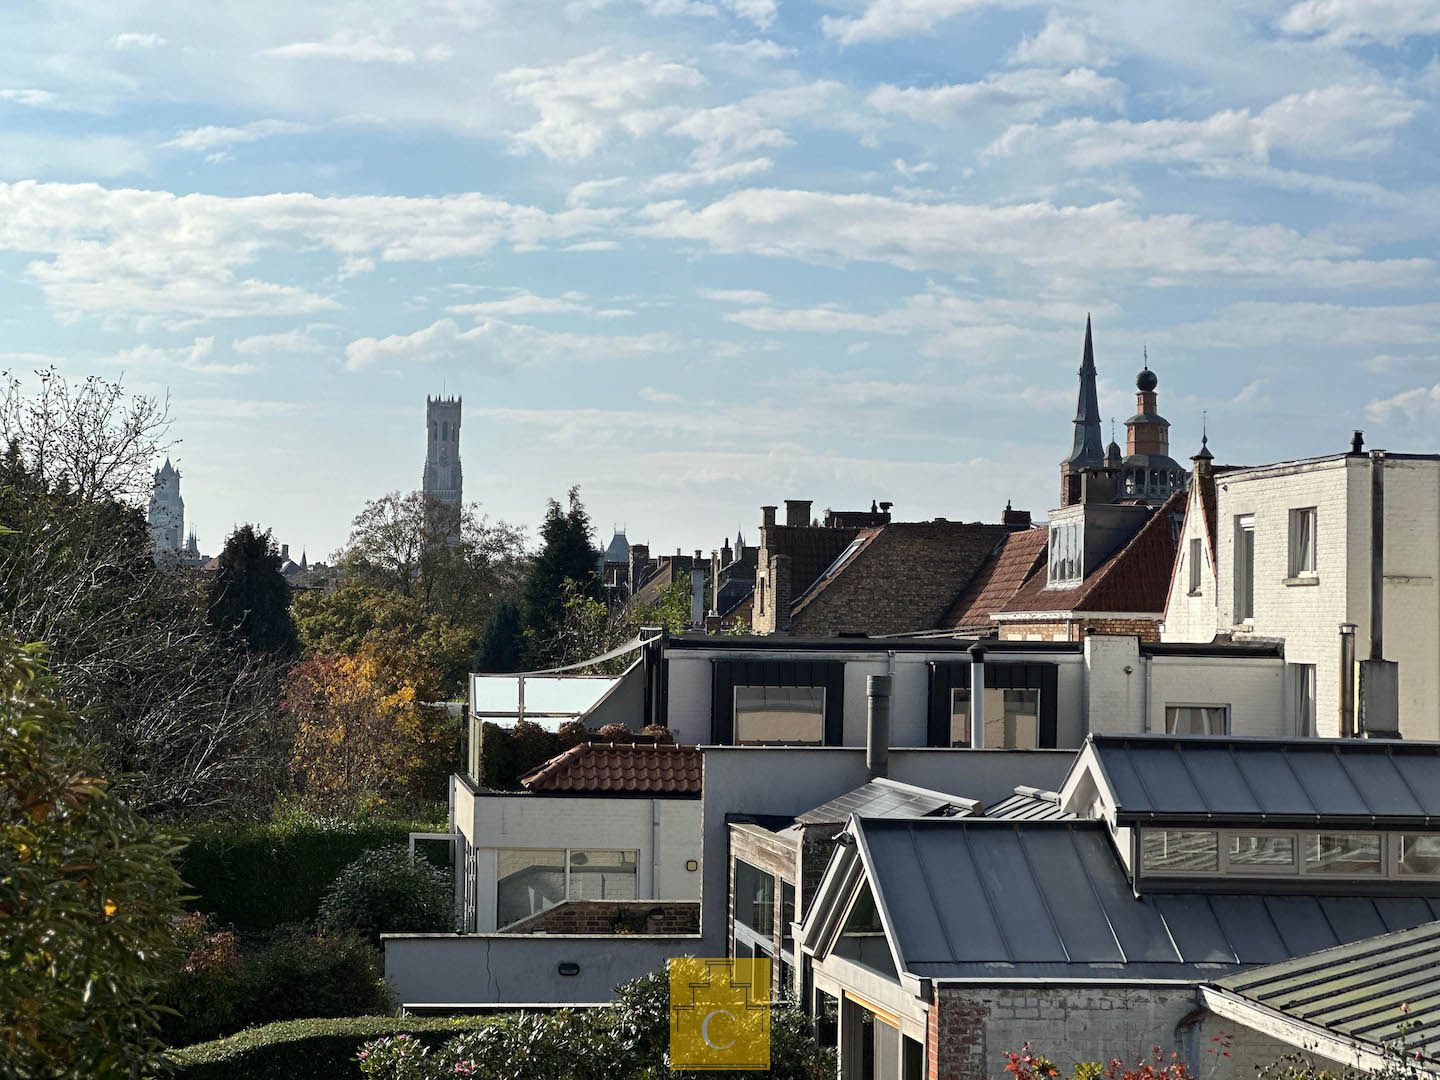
column 502, row 640
column 566, row 555
column 388, row 891
column 249, row 597
column 87, row 895
column 587, row 627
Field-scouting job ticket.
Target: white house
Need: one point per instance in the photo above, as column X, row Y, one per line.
column 1287, row 553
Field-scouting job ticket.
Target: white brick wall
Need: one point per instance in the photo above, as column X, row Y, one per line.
column 1192, row 618
column 1253, row 688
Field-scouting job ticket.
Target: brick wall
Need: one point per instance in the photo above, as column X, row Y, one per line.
column 603, row 917
column 1146, row 629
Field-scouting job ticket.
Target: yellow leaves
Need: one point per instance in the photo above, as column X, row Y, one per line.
column 25, row 852
column 110, row 908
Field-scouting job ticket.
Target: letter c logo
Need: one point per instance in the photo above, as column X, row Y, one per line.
column 705, row 1028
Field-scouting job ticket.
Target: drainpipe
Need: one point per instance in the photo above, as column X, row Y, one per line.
column 1347, row 680
column 877, row 725
column 1377, row 555
column 977, row 696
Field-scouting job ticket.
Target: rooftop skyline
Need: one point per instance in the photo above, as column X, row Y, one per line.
column 700, row 255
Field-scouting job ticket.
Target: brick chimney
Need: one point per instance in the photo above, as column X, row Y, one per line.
column 780, row 595
column 284, row 552
column 767, row 515
column 797, row 511
column 1015, row 519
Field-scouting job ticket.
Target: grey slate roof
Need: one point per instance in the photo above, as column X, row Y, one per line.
column 1029, row 804
column 884, row 798
column 1295, row 781
column 983, row 900
column 1357, row 989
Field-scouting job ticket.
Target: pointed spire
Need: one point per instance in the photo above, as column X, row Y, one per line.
column 304, row 564
column 1204, row 453
column 1087, row 448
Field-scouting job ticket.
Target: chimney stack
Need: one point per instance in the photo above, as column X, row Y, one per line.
column 284, row 552
column 1015, row 519
column 797, row 511
column 877, row 725
column 1357, row 443
column 767, row 515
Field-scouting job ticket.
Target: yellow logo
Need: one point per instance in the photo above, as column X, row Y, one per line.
column 719, row 1014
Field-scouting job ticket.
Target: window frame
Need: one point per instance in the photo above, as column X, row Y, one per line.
column 1004, row 692
column 1223, row 706
column 1197, row 565
column 1296, row 557
column 820, row 716
column 1244, row 569
column 1302, row 705
column 568, row 855
column 1390, row 844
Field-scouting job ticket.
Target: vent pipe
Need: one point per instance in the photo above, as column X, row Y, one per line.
column 977, row 696
column 877, row 725
column 1347, row 680
column 1377, row 555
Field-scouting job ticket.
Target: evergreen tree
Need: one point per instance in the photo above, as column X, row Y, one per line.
column 567, row 553
column 501, row 644
column 250, row 597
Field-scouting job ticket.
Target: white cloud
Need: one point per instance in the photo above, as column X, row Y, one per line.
column 756, row 49
column 125, row 251
column 194, row 357
column 1062, row 42
column 666, row 182
column 885, row 19
column 211, row 137
column 1100, row 239
column 1421, row 404
column 349, row 45
column 659, row 397
column 735, row 296
column 133, row 40
column 760, row 12
column 909, row 171
column 523, row 303
column 1333, row 122
column 293, row 342
column 1343, row 21
column 32, row 98
column 1020, row 95
column 582, row 102
column 496, row 345
column 1254, row 323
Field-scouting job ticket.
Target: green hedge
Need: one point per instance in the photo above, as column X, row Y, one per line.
column 257, row 877
column 306, row 1049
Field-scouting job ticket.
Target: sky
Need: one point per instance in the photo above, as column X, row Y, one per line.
column 696, row 256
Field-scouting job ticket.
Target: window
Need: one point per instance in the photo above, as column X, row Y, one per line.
column 754, row 899
column 787, row 916
column 1012, row 718
column 1418, row 855
column 1342, row 853
column 827, row 1019
column 1197, row 719
column 531, row 881
column 1177, row 851
column 760, row 596
column 1260, row 852
column 1066, row 562
column 779, row 714
column 1244, row 568
column 1302, row 543
column 1302, row 694
column 1197, row 564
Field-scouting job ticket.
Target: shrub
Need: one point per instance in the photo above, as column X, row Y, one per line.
column 296, row 1049
column 260, row 876
column 386, row 891
column 291, row 975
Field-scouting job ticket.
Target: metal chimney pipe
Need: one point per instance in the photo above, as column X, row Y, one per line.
column 1377, row 554
column 977, row 696
column 877, row 725
column 1347, row 680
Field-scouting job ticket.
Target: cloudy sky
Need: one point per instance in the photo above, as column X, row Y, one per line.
column 700, row 255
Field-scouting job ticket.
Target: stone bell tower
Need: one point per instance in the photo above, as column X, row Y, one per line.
column 442, row 455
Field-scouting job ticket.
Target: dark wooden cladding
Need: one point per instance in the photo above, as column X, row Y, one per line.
column 728, row 674
column 945, row 677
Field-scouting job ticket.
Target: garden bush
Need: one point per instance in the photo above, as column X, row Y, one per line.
column 288, row 974
column 386, row 891
column 304, row 1049
column 260, row 876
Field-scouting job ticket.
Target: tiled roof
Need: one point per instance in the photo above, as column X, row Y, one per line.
column 1135, row 578
column 1015, row 560
column 811, row 548
column 619, row 769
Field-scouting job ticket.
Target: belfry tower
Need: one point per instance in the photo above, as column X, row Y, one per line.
column 443, row 481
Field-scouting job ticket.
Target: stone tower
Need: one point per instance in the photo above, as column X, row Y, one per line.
column 442, row 455
column 166, row 515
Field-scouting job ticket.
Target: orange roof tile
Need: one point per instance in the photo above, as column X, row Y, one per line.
column 1015, row 560
column 619, row 769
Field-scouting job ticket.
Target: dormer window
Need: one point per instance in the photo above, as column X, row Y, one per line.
column 1067, row 562
column 1318, row 854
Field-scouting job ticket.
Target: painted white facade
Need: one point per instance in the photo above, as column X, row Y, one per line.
column 1306, row 611
column 665, row 834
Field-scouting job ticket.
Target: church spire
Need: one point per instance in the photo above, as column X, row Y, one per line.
column 1089, row 447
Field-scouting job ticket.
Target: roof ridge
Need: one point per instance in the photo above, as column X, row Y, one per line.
column 1102, row 575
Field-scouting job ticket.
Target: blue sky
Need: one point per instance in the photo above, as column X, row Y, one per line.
column 700, row 255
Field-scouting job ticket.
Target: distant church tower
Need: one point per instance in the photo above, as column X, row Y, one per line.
column 166, row 516
column 442, row 455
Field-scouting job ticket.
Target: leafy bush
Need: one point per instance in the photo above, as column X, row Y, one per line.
column 304, row 1049
column 385, row 891
column 258, row 877
column 627, row 1039
column 291, row 975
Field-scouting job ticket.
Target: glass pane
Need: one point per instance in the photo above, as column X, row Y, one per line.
column 887, row 1051
column 528, row 882
column 1022, row 719
column 1175, row 851
column 1342, row 853
column 1195, row 719
column 787, row 915
column 603, row 875
column 754, row 898
column 1262, row 852
column 1419, row 854
column 779, row 714
column 827, row 1019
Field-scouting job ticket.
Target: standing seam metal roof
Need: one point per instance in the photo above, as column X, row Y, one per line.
column 983, row 900
column 1357, row 989
column 1295, row 779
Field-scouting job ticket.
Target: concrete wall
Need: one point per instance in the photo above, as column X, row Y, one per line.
column 482, row 969
column 790, row 780
column 665, row 832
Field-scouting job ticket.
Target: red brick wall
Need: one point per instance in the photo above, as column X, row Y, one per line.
column 605, row 917
column 955, row 1038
